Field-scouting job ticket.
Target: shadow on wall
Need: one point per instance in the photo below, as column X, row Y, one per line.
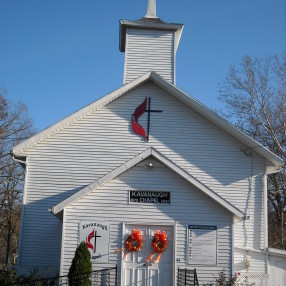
column 42, row 236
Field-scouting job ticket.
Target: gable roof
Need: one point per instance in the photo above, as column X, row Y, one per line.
column 273, row 160
column 165, row 161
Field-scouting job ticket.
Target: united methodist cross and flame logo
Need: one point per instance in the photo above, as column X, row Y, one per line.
column 89, row 245
column 139, row 111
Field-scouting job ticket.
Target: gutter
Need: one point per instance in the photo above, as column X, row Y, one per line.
column 19, row 159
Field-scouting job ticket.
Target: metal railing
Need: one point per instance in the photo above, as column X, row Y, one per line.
column 187, row 277
column 103, row 277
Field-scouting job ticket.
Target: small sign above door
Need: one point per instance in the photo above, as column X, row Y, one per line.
column 149, row 197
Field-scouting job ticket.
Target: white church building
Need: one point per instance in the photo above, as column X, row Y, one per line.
column 148, row 157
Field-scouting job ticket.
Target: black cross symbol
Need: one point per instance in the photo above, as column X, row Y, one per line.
column 148, row 110
column 95, row 236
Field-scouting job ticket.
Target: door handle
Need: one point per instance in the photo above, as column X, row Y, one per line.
column 148, row 264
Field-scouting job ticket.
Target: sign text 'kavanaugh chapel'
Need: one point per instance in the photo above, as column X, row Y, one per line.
column 149, row 197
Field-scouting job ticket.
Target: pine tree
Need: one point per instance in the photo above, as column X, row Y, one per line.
column 80, row 270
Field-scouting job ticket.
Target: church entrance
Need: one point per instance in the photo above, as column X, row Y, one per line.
column 136, row 271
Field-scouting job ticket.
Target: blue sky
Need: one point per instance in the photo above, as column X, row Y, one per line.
column 57, row 56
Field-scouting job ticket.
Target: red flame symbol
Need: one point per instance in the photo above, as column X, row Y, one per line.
column 137, row 128
column 87, row 241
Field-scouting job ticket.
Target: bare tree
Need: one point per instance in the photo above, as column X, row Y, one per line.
column 255, row 98
column 15, row 126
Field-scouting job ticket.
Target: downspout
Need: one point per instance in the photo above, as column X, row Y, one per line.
column 248, row 153
column 22, row 161
column 62, row 244
column 232, row 248
column 265, row 201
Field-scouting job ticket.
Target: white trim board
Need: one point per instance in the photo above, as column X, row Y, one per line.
column 276, row 252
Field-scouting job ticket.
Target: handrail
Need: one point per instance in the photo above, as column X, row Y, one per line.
column 187, row 277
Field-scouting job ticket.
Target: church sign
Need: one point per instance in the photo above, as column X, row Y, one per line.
column 96, row 236
column 149, row 197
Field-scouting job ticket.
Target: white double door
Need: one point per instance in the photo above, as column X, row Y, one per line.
column 136, row 271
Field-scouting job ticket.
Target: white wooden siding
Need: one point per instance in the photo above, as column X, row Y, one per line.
column 257, row 262
column 188, row 206
column 277, row 269
column 148, row 50
column 101, row 141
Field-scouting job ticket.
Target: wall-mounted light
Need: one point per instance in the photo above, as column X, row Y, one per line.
column 149, row 165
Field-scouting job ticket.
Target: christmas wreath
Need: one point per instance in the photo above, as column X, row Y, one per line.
column 133, row 243
column 159, row 245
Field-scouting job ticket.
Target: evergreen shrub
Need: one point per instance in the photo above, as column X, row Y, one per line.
column 81, row 268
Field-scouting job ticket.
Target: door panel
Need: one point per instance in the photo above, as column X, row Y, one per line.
column 128, row 274
column 137, row 272
column 141, row 276
column 153, row 277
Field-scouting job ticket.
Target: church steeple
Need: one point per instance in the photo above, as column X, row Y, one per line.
column 149, row 44
column 151, row 9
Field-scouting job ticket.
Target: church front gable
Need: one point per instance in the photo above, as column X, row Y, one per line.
column 150, row 196
column 104, row 139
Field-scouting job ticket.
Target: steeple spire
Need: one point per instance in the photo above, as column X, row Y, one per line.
column 151, row 9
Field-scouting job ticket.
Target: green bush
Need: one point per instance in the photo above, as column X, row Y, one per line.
column 8, row 276
column 80, row 270
column 35, row 278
